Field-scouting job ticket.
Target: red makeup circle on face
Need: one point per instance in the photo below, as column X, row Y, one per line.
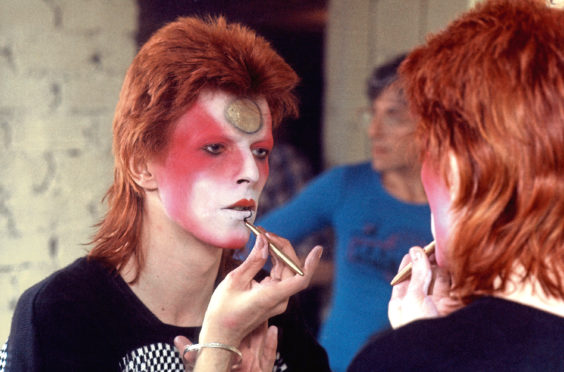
column 213, row 172
column 439, row 201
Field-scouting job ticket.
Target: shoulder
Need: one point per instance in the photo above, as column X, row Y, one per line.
column 482, row 336
column 55, row 315
column 416, row 346
column 77, row 285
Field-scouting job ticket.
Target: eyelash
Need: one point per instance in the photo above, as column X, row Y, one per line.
column 264, row 155
column 214, row 148
column 217, row 148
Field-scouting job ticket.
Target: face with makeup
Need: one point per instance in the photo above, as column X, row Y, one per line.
column 215, row 167
column 439, row 198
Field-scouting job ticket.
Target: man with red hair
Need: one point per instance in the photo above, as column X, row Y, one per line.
column 192, row 134
column 488, row 93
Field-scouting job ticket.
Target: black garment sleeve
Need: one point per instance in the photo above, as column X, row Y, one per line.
column 22, row 347
column 54, row 329
column 296, row 345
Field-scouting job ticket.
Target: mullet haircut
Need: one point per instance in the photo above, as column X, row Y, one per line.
column 489, row 90
column 174, row 66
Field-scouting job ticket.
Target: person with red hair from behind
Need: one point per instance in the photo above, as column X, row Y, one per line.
column 488, row 94
column 192, row 135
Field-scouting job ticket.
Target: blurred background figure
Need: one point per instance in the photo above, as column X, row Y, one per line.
column 376, row 210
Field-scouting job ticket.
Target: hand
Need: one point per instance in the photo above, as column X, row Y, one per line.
column 240, row 304
column 258, row 349
column 425, row 295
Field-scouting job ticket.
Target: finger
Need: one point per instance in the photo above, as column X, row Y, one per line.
column 398, row 293
column 253, row 263
column 252, row 349
column 421, row 274
column 279, row 268
column 295, row 283
column 268, row 356
column 399, row 290
column 312, row 261
column 187, row 358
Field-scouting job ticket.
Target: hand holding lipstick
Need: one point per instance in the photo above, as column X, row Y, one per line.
column 241, row 305
column 425, row 295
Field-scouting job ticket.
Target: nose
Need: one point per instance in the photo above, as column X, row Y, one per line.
column 249, row 171
column 375, row 127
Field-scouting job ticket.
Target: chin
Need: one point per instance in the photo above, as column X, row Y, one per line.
column 232, row 242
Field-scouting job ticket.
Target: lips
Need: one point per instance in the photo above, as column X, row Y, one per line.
column 243, row 205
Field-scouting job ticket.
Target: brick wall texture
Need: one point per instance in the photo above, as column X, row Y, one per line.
column 61, row 67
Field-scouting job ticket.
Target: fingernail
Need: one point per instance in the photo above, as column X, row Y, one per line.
column 415, row 254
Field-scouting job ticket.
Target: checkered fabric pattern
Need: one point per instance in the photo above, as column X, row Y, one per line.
column 279, row 365
column 152, row 358
column 3, row 356
column 164, row 357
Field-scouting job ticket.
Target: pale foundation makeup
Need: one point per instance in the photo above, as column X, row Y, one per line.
column 216, row 166
column 439, row 198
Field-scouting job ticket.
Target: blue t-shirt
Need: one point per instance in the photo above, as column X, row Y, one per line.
column 373, row 231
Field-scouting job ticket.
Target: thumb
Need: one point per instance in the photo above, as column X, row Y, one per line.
column 189, row 359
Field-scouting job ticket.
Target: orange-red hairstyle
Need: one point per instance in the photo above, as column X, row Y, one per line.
column 490, row 90
column 164, row 80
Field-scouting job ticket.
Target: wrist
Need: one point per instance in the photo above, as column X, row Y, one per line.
column 222, row 334
column 222, row 356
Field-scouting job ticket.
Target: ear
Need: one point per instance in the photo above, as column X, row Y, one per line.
column 142, row 175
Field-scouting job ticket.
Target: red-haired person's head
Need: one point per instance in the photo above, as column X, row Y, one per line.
column 179, row 62
column 488, row 94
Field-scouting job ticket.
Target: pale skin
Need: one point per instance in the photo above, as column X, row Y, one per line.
column 196, row 196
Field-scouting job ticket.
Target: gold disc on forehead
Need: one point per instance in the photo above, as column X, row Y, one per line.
column 244, row 114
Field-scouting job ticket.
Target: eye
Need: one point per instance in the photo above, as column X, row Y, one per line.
column 261, row 153
column 214, row 148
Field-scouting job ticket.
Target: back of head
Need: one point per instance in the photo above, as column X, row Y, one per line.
column 383, row 76
column 489, row 90
column 176, row 64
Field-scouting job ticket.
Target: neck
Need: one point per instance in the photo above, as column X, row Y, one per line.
column 404, row 185
column 531, row 294
column 178, row 277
